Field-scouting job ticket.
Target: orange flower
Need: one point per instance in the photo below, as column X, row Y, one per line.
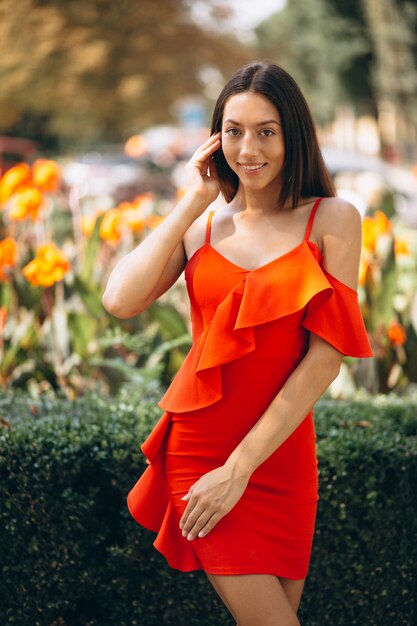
column 396, row 334
column 110, row 227
column 3, row 317
column 133, row 218
column 26, row 204
column 144, row 198
column 132, row 213
column 14, row 178
column 8, row 252
column 382, row 223
column 401, row 247
column 136, row 146
column 46, row 174
column 48, row 267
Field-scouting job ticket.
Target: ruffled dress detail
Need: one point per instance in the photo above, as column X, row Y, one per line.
column 250, row 331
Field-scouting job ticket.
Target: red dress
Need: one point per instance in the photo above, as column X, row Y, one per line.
column 250, row 330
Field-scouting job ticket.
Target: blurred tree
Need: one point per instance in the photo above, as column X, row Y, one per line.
column 392, row 27
column 362, row 52
column 91, row 69
column 316, row 44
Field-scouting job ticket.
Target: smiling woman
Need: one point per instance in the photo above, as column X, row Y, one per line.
column 272, row 276
column 243, row 143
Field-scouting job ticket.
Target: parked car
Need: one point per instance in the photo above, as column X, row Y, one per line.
column 14, row 150
column 368, row 177
column 109, row 172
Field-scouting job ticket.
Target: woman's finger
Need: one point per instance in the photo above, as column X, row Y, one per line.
column 213, row 137
column 190, row 506
column 196, row 523
column 202, row 154
column 213, row 170
column 191, row 516
column 210, row 524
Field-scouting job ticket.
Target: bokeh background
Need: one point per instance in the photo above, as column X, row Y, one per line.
column 101, row 106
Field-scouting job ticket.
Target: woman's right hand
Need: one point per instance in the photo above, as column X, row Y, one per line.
column 202, row 176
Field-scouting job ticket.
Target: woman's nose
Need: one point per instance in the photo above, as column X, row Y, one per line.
column 249, row 146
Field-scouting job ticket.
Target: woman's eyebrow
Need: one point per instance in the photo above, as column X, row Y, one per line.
column 258, row 124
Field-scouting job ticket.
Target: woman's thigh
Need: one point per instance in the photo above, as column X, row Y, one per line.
column 294, row 590
column 255, row 599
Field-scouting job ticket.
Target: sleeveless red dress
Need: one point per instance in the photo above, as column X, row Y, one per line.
column 250, row 330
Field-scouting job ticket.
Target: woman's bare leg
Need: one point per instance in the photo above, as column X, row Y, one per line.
column 220, row 593
column 258, row 599
column 293, row 589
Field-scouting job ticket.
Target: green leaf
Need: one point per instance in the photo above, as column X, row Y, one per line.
column 91, row 296
column 83, row 329
column 91, row 251
column 171, row 323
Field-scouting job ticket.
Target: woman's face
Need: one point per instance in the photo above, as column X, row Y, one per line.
column 252, row 139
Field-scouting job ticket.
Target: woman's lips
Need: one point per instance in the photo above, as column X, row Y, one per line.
column 252, row 168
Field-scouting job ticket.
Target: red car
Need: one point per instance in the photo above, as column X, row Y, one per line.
column 14, row 150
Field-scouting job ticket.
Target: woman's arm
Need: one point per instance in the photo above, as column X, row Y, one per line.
column 342, row 246
column 135, row 281
column 155, row 264
column 216, row 492
column 296, row 398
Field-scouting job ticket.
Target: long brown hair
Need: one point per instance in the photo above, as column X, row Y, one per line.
column 305, row 173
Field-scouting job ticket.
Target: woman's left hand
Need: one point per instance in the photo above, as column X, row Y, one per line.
column 210, row 498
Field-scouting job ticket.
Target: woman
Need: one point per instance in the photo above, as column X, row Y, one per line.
column 272, row 276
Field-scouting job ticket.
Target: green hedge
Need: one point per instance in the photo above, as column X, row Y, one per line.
column 72, row 555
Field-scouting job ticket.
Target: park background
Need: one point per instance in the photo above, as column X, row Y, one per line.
column 101, row 106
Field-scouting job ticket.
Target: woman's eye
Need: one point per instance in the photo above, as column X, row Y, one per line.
column 232, row 129
column 266, row 130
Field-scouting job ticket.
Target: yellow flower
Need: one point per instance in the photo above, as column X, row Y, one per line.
column 110, row 227
column 134, row 220
column 382, row 223
column 46, row 175
column 372, row 228
column 363, row 270
column 27, row 202
column 87, row 224
column 48, row 267
column 401, row 247
column 14, row 178
column 369, row 235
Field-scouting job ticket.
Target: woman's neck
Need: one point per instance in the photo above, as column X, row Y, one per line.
column 260, row 202
column 254, row 201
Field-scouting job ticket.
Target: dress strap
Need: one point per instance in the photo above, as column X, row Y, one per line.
column 311, row 218
column 208, row 226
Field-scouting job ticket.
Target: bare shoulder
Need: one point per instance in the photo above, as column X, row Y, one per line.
column 195, row 234
column 340, row 229
column 339, row 218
